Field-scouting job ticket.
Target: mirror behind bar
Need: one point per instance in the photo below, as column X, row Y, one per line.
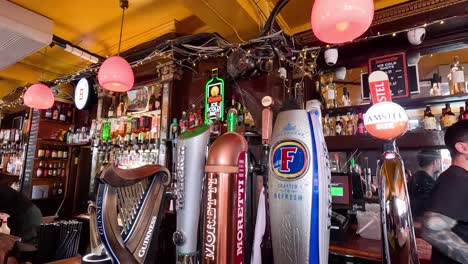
column 130, row 206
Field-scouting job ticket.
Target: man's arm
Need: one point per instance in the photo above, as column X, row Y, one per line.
column 437, row 230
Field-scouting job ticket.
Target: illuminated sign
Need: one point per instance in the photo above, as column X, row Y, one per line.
column 386, row 120
column 289, row 159
column 82, row 93
column 214, row 98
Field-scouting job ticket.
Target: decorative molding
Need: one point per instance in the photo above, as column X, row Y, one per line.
column 391, row 14
column 411, row 8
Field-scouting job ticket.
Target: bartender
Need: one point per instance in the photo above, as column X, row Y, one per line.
column 445, row 224
column 421, row 183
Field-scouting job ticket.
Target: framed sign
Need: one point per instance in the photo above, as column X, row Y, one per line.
column 138, row 99
column 394, row 65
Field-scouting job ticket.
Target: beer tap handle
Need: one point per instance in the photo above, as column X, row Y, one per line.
column 267, row 119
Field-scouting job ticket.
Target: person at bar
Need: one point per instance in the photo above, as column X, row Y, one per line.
column 25, row 218
column 421, row 183
column 445, row 224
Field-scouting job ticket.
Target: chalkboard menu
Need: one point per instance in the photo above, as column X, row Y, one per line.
column 394, row 65
column 30, row 153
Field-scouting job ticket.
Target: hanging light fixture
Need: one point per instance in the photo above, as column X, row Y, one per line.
column 39, row 96
column 340, row 21
column 115, row 73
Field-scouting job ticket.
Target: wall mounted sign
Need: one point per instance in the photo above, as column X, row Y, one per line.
column 386, row 120
column 379, row 87
column 394, row 65
column 82, row 93
column 214, row 98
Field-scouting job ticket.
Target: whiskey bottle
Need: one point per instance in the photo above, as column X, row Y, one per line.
column 462, row 112
column 465, row 114
column 449, row 118
column 339, row 126
column 456, row 77
column 326, row 125
column 331, row 94
column 55, row 112
column 111, row 110
column 429, row 122
column 349, row 125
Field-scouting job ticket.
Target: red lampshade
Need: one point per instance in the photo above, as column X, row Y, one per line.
column 339, row 21
column 116, row 75
column 39, row 96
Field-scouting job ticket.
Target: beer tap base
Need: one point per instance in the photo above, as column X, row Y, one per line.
column 187, row 259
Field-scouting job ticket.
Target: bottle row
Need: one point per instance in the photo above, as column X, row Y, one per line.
column 11, row 136
column 51, row 169
column 12, row 163
column 447, row 118
column 52, row 152
column 60, row 112
column 348, row 125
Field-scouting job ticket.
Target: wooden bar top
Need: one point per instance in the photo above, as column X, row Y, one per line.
column 357, row 246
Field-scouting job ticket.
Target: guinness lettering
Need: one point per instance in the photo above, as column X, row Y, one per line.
column 180, row 178
column 99, row 215
column 211, row 228
column 147, row 239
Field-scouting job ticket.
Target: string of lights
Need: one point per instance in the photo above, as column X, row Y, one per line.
column 268, row 48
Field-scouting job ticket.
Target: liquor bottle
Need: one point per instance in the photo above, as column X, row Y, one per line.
column 326, row 126
column 157, row 103
column 55, row 112
column 456, row 77
column 70, row 114
column 429, row 122
column 54, row 190
column 442, row 117
column 183, row 122
column 106, row 127
column 120, row 107
column 174, row 129
column 339, row 126
column 240, row 115
column 331, row 94
column 63, row 114
column 465, row 114
column 48, row 113
column 449, row 118
column 111, row 110
column 50, row 171
column 39, row 171
column 462, row 114
column 152, row 100
column 349, row 125
column 335, row 163
column 192, row 116
column 345, row 98
column 60, row 189
column 361, row 129
column 332, row 124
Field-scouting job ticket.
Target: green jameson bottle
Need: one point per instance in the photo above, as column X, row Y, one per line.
column 231, row 121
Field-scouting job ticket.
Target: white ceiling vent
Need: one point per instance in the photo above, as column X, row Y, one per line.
column 22, row 32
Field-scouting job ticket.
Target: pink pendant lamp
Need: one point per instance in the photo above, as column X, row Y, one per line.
column 39, row 96
column 115, row 73
column 339, row 21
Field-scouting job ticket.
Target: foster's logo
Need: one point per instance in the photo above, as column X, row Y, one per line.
column 289, row 159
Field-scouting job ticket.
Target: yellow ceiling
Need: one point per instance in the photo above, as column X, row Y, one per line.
column 94, row 25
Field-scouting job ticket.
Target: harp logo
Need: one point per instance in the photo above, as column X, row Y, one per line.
column 289, row 159
column 147, row 239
